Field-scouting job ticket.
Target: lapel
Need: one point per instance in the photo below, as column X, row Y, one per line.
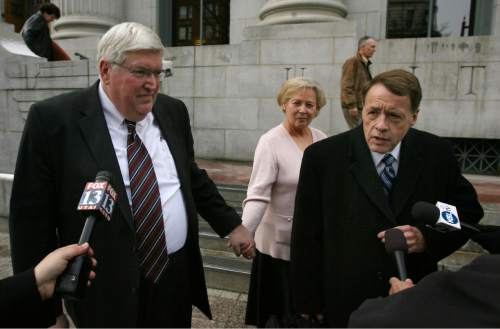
column 95, row 133
column 365, row 173
column 410, row 168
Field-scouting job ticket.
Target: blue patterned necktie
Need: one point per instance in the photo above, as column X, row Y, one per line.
column 388, row 173
column 146, row 208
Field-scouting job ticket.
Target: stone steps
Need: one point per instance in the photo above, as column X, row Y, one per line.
column 223, row 270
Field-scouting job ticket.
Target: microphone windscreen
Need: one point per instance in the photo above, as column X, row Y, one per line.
column 425, row 212
column 395, row 240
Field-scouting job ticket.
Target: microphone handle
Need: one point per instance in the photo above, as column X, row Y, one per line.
column 401, row 265
column 87, row 229
column 470, row 227
column 73, row 280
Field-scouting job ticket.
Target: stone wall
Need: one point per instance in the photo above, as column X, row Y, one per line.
column 25, row 81
column 230, row 89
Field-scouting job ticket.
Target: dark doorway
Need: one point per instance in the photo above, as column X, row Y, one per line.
column 18, row 11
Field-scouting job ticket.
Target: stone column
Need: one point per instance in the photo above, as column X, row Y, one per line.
column 301, row 11
column 83, row 18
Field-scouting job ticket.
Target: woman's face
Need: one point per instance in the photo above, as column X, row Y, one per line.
column 301, row 109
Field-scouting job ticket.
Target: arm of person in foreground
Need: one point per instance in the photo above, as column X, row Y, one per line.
column 23, row 293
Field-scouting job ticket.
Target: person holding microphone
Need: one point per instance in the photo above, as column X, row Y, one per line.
column 21, row 295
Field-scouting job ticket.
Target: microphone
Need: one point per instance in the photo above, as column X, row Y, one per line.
column 395, row 243
column 442, row 217
column 98, row 200
column 488, row 236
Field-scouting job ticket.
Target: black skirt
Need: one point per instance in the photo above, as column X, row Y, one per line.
column 269, row 300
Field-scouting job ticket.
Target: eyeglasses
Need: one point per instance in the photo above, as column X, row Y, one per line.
column 142, row 73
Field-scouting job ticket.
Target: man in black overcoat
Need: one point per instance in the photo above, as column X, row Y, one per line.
column 356, row 185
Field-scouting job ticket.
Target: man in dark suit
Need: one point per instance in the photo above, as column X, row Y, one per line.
column 358, row 184
column 22, row 294
column 150, row 271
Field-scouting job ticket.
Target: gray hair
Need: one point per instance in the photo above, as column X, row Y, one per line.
column 125, row 38
column 364, row 40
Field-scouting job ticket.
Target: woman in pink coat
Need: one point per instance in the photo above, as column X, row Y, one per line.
column 268, row 207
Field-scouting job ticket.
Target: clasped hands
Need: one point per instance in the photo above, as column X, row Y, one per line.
column 242, row 242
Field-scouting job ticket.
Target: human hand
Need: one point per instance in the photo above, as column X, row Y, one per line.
column 47, row 271
column 398, row 285
column 414, row 238
column 242, row 242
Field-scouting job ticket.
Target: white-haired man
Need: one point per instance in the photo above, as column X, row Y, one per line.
column 150, row 269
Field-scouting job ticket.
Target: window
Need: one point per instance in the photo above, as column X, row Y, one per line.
column 189, row 29
column 410, row 18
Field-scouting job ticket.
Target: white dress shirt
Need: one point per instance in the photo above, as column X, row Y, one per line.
column 377, row 159
column 174, row 211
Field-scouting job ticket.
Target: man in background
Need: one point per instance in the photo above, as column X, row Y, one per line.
column 355, row 75
column 36, row 33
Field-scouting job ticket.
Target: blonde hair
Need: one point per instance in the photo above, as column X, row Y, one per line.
column 290, row 87
column 125, row 38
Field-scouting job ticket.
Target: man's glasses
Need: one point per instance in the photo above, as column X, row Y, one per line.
column 142, row 73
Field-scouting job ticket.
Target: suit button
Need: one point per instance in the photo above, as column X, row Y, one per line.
column 133, row 291
column 380, row 276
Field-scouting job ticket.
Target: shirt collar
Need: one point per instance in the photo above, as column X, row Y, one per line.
column 377, row 157
column 113, row 117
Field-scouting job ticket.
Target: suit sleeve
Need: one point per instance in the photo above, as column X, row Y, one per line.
column 460, row 193
column 306, row 266
column 33, row 201
column 209, row 203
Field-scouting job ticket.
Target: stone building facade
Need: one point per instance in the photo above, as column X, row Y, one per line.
column 230, row 88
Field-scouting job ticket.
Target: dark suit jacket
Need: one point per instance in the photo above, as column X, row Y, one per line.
column 64, row 144
column 337, row 260
column 468, row 298
column 20, row 302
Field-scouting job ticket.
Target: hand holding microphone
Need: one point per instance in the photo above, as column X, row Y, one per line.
column 444, row 218
column 98, row 200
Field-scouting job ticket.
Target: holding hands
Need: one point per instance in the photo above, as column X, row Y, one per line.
column 242, row 242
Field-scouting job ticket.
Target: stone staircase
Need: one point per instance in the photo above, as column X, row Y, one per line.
column 223, row 270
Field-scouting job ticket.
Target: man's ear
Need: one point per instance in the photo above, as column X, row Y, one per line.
column 415, row 116
column 104, row 71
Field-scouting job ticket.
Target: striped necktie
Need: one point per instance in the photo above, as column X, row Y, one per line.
column 388, row 173
column 146, row 207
